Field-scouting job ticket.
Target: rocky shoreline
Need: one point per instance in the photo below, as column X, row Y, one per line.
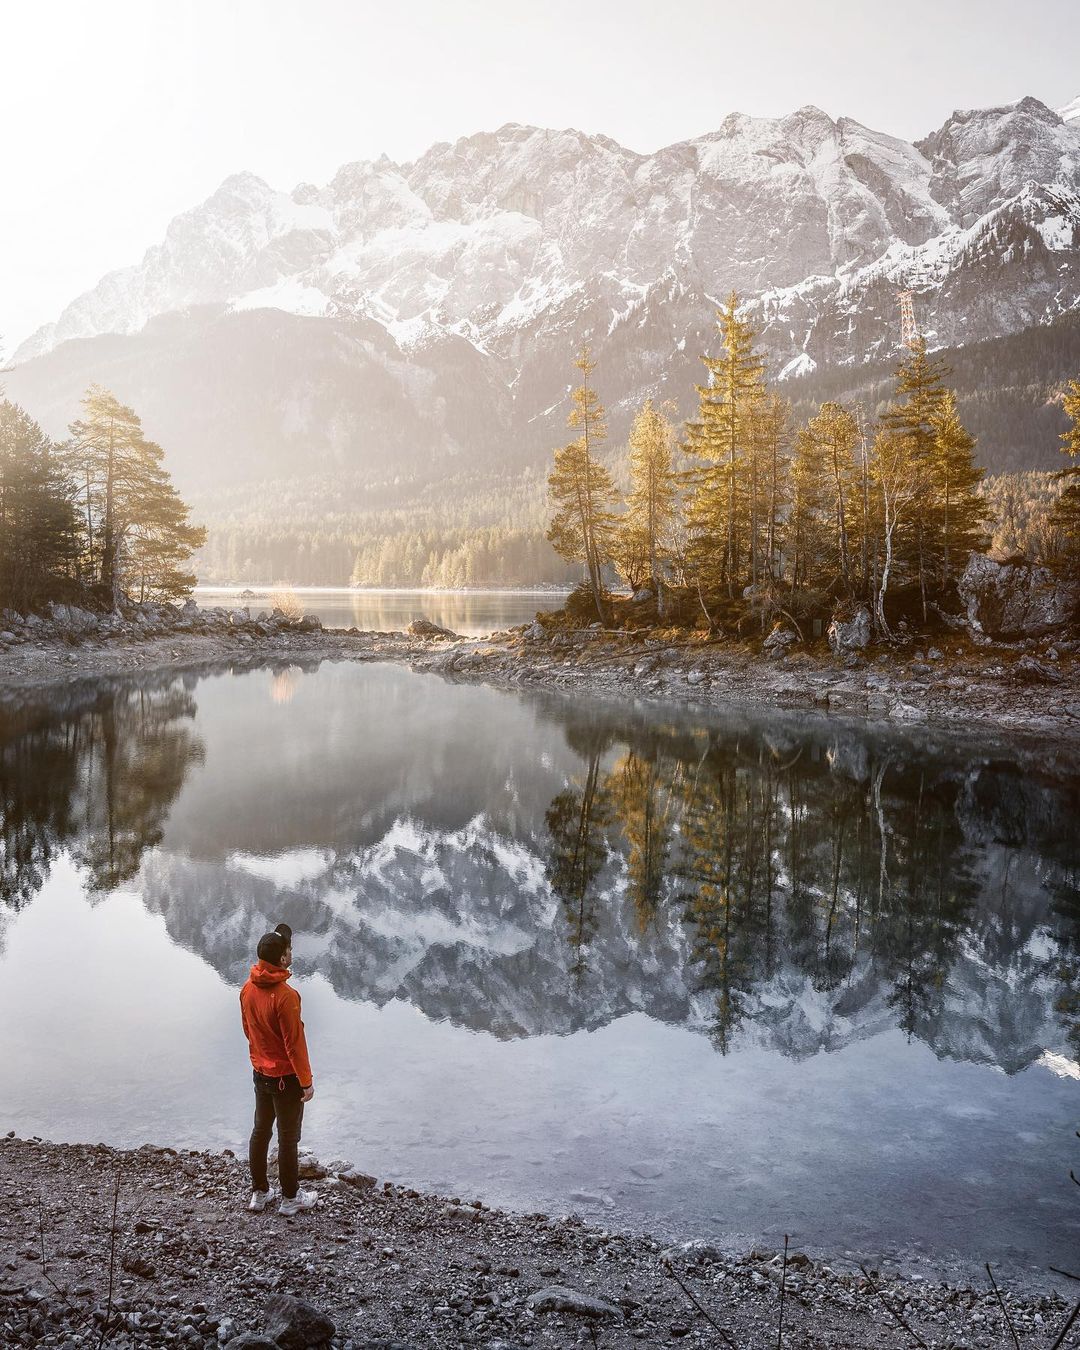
column 1026, row 689
column 379, row 1267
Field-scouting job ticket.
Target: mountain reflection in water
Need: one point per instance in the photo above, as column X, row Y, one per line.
column 527, row 867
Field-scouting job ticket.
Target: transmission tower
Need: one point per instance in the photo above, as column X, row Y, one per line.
column 909, row 334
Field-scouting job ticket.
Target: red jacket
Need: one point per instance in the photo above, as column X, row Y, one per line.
column 270, row 1010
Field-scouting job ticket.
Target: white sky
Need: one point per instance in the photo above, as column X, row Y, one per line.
column 117, row 114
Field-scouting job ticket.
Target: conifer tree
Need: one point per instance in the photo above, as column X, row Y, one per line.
column 128, row 500
column 718, row 514
column 908, row 422
column 770, row 489
column 583, row 490
column 1066, row 513
column 38, row 540
column 807, row 529
column 651, row 505
column 959, row 508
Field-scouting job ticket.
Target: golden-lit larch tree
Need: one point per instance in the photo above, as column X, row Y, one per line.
column 652, row 504
column 582, row 488
column 1066, row 514
column 718, row 510
column 960, row 511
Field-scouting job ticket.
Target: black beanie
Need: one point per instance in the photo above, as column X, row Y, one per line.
column 272, row 947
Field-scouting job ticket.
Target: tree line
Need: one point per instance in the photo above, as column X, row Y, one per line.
column 828, row 863
column 748, row 513
column 94, row 518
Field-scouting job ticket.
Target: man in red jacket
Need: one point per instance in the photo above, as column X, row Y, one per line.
column 270, row 1009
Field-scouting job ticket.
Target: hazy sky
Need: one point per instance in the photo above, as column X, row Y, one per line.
column 117, row 114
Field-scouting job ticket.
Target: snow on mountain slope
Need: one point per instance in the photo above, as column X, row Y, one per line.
column 1070, row 110
column 484, row 236
column 409, row 312
column 1020, row 257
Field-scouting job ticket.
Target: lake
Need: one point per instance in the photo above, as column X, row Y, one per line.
column 728, row 976
column 471, row 613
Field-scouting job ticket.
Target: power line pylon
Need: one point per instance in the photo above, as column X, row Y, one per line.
column 909, row 333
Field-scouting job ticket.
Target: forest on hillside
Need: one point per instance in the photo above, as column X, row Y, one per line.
column 479, row 527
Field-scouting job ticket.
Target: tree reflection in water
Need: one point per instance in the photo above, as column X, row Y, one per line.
column 849, row 863
column 97, row 782
column 803, row 884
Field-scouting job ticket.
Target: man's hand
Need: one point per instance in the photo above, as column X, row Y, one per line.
column 307, row 1093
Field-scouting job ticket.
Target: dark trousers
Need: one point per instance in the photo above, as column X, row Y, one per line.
column 279, row 1099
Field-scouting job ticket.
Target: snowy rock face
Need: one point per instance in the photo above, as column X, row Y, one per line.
column 516, row 235
column 414, row 314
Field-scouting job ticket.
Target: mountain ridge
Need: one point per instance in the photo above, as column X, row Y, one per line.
column 421, row 318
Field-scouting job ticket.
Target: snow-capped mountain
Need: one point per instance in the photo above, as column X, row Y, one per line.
column 453, row 291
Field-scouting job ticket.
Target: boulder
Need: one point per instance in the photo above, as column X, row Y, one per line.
column 851, row 635
column 72, row 619
column 1015, row 599
column 251, row 1340
column 558, row 1298
column 355, row 1177
column 425, row 628
column 779, row 640
column 1030, row 671
column 535, row 632
column 296, row 1325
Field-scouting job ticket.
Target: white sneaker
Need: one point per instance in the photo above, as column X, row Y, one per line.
column 301, row 1201
column 259, row 1200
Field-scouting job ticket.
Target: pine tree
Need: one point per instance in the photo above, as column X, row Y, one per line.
column 838, row 432
column 959, row 508
column 908, row 422
column 719, row 516
column 162, row 537
column 582, row 489
column 770, row 425
column 651, row 505
column 128, row 503
column 1066, row 513
column 38, row 540
column 807, row 529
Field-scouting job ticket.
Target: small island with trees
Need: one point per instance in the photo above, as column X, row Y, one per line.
column 752, row 525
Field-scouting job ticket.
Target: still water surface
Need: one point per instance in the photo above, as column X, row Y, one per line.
column 471, row 613
column 727, row 977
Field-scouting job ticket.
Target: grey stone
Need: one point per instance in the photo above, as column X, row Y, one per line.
column 850, row 635
column 355, row 1177
column 425, row 628
column 1015, row 599
column 779, row 640
column 559, row 1298
column 251, row 1340
column 296, row 1325
column 1030, row 671
column 534, row 632
column 72, row 619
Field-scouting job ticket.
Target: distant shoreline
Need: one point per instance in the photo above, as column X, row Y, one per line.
column 205, row 589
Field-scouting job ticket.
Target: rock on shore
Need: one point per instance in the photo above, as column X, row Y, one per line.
column 381, row 1266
